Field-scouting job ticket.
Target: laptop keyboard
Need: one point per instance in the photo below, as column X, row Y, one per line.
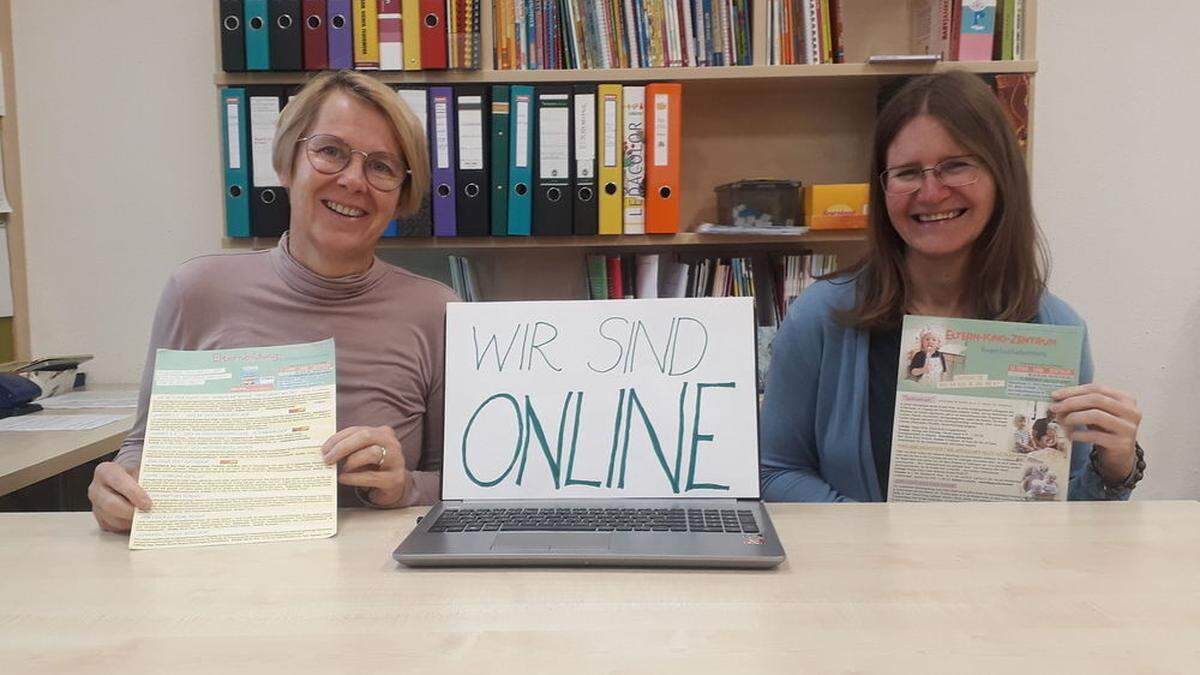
column 596, row 520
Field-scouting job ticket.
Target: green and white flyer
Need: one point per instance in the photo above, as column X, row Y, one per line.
column 972, row 410
column 232, row 452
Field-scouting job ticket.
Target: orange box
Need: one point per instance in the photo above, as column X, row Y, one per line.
column 836, row 207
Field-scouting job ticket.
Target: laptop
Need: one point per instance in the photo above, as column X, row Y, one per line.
column 620, row 432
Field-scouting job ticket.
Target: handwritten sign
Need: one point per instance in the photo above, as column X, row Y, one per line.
column 629, row 398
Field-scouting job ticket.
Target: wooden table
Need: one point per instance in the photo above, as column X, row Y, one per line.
column 896, row 588
column 27, row 457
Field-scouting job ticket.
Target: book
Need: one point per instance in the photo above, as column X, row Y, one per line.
column 929, row 28
column 634, row 171
column 597, row 277
column 1013, row 92
column 977, row 30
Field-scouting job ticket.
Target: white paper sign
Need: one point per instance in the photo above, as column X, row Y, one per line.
column 617, row 398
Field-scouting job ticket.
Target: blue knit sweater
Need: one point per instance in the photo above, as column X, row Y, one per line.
column 815, row 431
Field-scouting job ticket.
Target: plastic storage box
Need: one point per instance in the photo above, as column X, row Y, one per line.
column 759, row 203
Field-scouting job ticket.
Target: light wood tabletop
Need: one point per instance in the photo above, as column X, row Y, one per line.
column 1002, row 587
column 27, row 457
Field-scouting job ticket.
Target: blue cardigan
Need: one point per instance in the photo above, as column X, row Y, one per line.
column 815, row 432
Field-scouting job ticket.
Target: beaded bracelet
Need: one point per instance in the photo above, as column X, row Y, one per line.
column 1136, row 475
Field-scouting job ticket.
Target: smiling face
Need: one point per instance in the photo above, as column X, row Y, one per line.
column 930, row 343
column 936, row 222
column 338, row 218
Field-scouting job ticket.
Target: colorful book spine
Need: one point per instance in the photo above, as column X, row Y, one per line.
column 1013, row 92
column 634, row 151
column 977, row 30
column 366, row 35
column 391, row 36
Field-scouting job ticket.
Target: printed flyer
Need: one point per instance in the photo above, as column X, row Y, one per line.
column 233, row 447
column 972, row 410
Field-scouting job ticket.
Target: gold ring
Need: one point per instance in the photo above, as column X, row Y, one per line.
column 382, row 456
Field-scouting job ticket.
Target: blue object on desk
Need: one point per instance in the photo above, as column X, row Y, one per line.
column 17, row 394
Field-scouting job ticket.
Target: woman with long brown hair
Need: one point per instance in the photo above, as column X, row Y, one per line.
column 952, row 234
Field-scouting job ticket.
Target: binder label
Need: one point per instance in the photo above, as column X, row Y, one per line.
column 264, row 114
column 441, row 121
column 470, row 132
column 662, row 120
column 610, row 131
column 417, row 103
column 522, row 136
column 585, row 135
column 233, row 136
column 554, row 142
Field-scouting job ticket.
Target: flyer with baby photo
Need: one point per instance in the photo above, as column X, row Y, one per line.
column 972, row 410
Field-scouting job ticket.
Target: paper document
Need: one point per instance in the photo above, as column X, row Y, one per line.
column 972, row 420
column 233, row 447
column 91, row 399
column 5, row 207
column 45, row 422
column 6, row 295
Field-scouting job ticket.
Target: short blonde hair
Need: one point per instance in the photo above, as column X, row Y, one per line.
column 299, row 113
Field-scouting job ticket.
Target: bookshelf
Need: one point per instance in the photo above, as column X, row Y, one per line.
column 779, row 74
column 631, row 242
column 810, row 123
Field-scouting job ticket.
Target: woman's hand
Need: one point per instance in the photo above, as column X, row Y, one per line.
column 371, row 459
column 1111, row 418
column 114, row 493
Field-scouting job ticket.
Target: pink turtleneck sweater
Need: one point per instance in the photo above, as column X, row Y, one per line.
column 387, row 325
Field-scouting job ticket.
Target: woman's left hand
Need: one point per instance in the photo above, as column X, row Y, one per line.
column 1111, row 417
column 371, row 459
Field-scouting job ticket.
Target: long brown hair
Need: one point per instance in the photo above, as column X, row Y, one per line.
column 1009, row 261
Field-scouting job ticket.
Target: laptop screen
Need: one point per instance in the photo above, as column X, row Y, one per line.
column 601, row 398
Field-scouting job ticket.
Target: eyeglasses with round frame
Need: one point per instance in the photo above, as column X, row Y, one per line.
column 329, row 154
column 951, row 172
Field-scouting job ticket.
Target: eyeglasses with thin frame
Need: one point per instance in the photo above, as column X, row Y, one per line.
column 951, row 172
column 329, row 154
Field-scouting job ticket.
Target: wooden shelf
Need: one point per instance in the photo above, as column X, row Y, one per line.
column 631, row 241
column 818, row 72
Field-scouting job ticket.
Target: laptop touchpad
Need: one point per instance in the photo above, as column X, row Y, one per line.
column 552, row 541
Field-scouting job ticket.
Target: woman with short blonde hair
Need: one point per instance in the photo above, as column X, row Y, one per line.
column 353, row 158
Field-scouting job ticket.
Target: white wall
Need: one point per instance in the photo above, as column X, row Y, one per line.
column 122, row 182
column 120, row 173
column 1116, row 173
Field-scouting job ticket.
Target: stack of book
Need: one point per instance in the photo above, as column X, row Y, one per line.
column 574, row 34
column 812, row 31
column 793, row 274
column 969, row 30
column 774, row 281
column 805, row 31
column 283, row 35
